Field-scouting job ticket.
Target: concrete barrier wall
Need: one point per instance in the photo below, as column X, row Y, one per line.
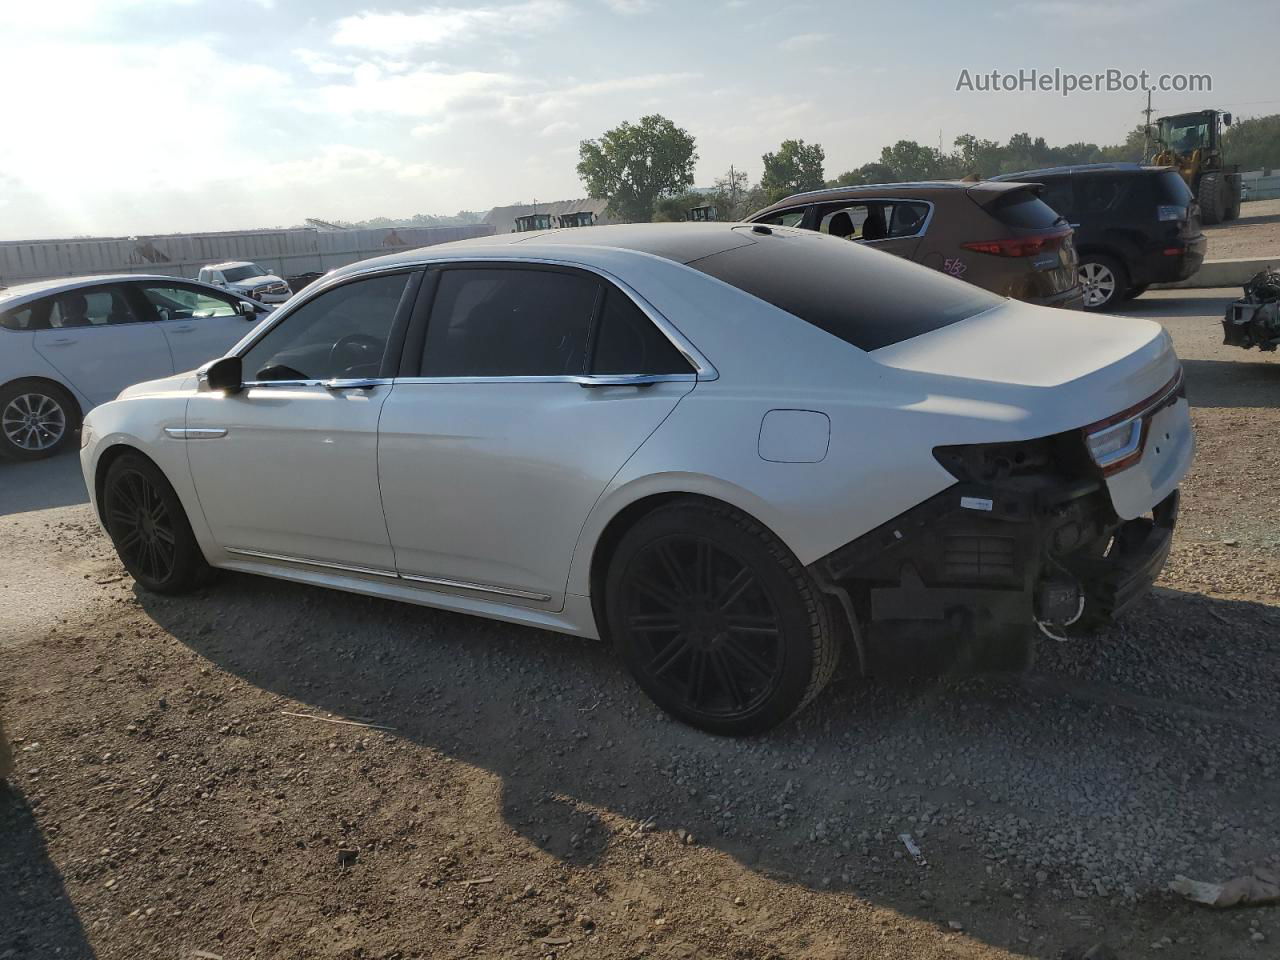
column 1263, row 188
column 286, row 252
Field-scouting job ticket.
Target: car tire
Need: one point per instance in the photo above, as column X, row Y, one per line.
column 37, row 419
column 1209, row 196
column 1232, row 211
column 717, row 620
column 1104, row 281
column 149, row 528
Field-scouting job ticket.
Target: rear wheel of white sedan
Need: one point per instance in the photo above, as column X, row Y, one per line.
column 149, row 528
column 37, row 419
column 717, row 620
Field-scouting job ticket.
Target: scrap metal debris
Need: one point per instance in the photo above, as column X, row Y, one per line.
column 912, row 849
column 1256, row 889
column 1254, row 319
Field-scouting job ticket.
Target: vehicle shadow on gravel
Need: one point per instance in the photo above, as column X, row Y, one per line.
column 1185, row 306
column 1251, row 381
column 37, row 918
column 1023, row 793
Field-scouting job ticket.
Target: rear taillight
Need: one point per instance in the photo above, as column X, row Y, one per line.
column 1028, row 245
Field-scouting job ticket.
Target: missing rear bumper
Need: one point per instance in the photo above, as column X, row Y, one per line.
column 984, row 561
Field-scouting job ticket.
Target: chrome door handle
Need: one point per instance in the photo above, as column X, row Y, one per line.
column 624, row 379
column 63, row 341
column 186, row 329
column 358, row 383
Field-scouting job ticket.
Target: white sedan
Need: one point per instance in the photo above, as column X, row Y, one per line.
column 68, row 345
column 732, row 450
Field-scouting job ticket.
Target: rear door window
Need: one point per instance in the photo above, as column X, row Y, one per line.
column 628, row 342
column 859, row 295
column 509, row 322
column 91, row 307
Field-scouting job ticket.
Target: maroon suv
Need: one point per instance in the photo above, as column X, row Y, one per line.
column 999, row 236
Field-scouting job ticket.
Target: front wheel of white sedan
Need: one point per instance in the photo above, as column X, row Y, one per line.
column 149, row 528
column 717, row 620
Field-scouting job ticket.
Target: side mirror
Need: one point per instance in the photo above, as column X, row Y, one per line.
column 225, row 374
column 1226, row 119
column 247, row 310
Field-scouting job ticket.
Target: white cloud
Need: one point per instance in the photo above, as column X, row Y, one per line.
column 629, row 8
column 342, row 163
column 804, row 41
column 399, row 33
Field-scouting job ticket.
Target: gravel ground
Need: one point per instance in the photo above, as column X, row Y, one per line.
column 528, row 801
column 1255, row 234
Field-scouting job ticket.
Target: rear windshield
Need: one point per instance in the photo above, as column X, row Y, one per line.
column 1022, row 209
column 1172, row 189
column 865, row 297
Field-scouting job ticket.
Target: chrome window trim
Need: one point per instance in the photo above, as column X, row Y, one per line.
column 391, row 574
column 584, row 380
column 703, row 368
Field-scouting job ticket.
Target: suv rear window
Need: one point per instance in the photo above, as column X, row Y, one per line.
column 1022, row 209
column 865, row 297
column 1172, row 189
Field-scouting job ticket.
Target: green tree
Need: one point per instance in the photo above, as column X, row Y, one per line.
column 909, row 160
column 795, row 168
column 1253, row 143
column 634, row 164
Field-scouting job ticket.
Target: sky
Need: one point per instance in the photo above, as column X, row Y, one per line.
column 126, row 117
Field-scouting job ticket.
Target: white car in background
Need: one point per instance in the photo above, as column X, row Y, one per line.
column 733, row 450
column 247, row 279
column 68, row 345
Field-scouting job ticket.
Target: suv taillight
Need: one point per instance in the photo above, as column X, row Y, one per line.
column 1027, row 245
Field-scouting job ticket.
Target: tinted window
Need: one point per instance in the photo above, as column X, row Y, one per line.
column 1059, row 195
column 1099, row 195
column 187, row 303
column 628, row 342
column 509, row 323
column 235, row 274
column 341, row 333
column 32, row 317
column 1024, row 210
column 91, row 307
column 867, row 298
column 1172, row 189
column 783, row 218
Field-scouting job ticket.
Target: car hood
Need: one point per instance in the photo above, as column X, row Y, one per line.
column 1075, row 367
column 253, row 282
column 178, row 383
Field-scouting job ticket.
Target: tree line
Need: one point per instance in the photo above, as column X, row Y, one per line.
column 645, row 169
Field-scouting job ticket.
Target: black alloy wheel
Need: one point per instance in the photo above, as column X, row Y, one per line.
column 708, row 630
column 149, row 528
column 716, row 619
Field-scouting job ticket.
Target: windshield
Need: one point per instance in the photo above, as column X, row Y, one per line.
column 865, row 297
column 249, row 270
column 1184, row 133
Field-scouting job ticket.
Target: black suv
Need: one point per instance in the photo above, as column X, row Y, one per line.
column 1135, row 225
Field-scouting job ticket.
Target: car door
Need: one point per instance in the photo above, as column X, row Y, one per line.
column 287, row 468
column 524, row 392
column 98, row 341
column 199, row 324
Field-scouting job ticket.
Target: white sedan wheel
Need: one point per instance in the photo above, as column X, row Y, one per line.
column 33, row 422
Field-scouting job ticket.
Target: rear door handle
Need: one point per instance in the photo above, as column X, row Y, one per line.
column 356, row 383
column 63, row 341
column 186, row 329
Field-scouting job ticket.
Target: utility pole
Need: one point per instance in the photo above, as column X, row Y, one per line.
column 1146, row 130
